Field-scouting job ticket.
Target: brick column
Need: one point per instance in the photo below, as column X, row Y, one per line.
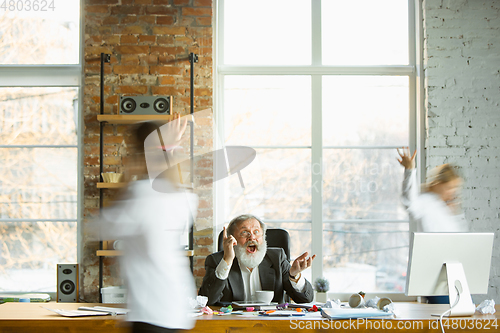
column 149, row 42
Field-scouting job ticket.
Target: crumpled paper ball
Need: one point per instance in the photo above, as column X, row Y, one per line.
column 372, row 303
column 391, row 309
column 198, row 302
column 332, row 304
column 486, row 307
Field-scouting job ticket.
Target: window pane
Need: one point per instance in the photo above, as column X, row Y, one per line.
column 262, row 32
column 362, row 184
column 40, row 32
column 284, row 191
column 30, row 252
column 365, row 32
column 38, row 116
column 38, row 183
column 365, row 256
column 267, row 110
column 365, row 110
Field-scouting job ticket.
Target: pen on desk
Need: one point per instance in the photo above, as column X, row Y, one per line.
column 275, row 314
column 282, row 306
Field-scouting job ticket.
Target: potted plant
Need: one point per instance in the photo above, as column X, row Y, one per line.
column 321, row 285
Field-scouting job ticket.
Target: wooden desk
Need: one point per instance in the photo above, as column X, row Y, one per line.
column 413, row 317
column 31, row 317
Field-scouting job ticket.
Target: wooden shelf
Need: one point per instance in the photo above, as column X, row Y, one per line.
column 131, row 119
column 121, row 185
column 114, row 253
column 186, row 186
column 111, row 185
column 109, row 253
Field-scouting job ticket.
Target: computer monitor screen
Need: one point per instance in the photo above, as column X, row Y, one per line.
column 427, row 274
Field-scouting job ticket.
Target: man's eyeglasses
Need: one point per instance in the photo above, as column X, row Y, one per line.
column 247, row 233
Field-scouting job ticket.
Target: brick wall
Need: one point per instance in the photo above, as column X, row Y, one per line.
column 462, row 70
column 149, row 41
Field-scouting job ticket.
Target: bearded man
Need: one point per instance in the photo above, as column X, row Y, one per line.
column 256, row 267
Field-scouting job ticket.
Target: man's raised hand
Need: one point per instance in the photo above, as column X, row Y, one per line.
column 301, row 263
column 228, row 243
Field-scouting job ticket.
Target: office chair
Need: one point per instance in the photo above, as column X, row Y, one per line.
column 275, row 237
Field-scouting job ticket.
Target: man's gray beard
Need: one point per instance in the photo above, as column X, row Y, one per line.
column 250, row 260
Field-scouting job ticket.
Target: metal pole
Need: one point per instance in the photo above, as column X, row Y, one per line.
column 192, row 59
column 104, row 58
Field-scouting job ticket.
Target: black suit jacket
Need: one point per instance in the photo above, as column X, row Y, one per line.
column 273, row 273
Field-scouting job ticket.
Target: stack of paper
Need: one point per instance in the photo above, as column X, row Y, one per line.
column 84, row 311
column 116, row 311
column 77, row 313
column 348, row 313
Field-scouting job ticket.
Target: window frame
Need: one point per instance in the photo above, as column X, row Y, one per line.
column 71, row 75
column 413, row 71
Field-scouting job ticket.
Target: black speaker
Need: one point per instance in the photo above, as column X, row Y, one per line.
column 67, row 283
column 145, row 105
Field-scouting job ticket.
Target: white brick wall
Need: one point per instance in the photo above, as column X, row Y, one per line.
column 462, row 70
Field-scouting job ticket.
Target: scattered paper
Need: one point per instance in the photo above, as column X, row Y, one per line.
column 372, row 303
column 113, row 311
column 332, row 304
column 77, row 313
column 347, row 313
column 198, row 302
column 486, row 307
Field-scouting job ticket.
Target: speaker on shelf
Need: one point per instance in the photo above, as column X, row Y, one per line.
column 67, row 283
column 145, row 105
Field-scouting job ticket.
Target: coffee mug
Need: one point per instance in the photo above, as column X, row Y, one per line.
column 356, row 301
column 383, row 302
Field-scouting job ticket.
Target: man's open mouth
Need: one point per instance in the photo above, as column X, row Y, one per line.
column 251, row 248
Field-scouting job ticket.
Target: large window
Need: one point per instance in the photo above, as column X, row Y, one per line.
column 40, row 79
column 324, row 91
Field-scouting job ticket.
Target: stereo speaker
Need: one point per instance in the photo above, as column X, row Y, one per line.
column 67, row 283
column 145, row 105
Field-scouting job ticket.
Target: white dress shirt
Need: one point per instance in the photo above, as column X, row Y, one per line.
column 251, row 280
column 160, row 282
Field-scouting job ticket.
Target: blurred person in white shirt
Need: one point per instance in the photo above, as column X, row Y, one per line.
column 149, row 222
column 437, row 208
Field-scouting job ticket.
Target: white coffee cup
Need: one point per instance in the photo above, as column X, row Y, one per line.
column 356, row 301
column 383, row 302
column 264, row 296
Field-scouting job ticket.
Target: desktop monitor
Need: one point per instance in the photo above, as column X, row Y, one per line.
column 454, row 264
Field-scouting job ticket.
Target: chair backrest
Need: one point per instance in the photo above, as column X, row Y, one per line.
column 275, row 237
